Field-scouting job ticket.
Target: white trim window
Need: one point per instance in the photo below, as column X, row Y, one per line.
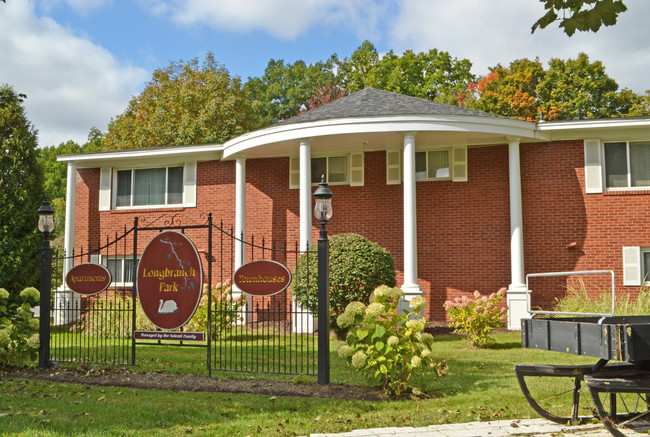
column 432, row 165
column 149, row 186
column 627, row 164
column 121, row 268
column 347, row 169
column 334, row 168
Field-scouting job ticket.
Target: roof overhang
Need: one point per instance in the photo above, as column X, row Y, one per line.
column 603, row 129
column 379, row 133
column 135, row 157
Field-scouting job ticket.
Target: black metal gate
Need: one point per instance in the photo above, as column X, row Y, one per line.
column 243, row 333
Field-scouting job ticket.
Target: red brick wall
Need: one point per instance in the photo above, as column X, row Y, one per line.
column 463, row 227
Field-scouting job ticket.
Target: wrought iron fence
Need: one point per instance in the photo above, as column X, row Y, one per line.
column 243, row 333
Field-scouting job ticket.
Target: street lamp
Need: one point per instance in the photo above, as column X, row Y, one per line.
column 46, row 218
column 323, row 212
column 46, row 226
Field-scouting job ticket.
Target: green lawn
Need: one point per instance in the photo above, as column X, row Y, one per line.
column 480, row 386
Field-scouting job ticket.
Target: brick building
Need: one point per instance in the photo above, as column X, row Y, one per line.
column 463, row 200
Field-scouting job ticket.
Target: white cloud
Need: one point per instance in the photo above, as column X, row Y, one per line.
column 283, row 19
column 71, row 84
column 488, row 33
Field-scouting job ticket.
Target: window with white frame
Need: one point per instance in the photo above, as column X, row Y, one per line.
column 645, row 259
column 149, row 186
column 337, row 169
column 121, row 268
column 334, row 168
column 432, row 164
column 627, row 164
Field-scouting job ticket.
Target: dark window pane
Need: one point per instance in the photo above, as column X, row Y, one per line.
column 115, row 267
column 123, row 188
column 149, row 186
column 175, row 185
column 646, row 266
column 318, row 169
column 420, row 165
column 640, row 164
column 616, row 165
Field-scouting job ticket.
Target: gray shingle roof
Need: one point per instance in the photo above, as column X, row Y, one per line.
column 371, row 102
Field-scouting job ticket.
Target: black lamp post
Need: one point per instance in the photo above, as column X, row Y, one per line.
column 45, row 225
column 323, row 212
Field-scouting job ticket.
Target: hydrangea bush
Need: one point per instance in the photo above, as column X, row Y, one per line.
column 357, row 267
column 476, row 318
column 19, row 340
column 226, row 311
column 387, row 346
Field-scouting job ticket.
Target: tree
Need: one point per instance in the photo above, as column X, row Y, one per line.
column 432, row 75
column 185, row 103
column 285, row 89
column 21, row 193
column 582, row 15
column 567, row 90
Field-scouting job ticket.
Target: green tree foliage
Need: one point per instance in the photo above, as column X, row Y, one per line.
column 285, row 89
column 432, row 75
column 184, row 103
column 21, row 193
column 357, row 267
column 567, row 90
column 582, row 15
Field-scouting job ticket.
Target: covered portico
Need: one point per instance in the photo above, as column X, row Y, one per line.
column 374, row 120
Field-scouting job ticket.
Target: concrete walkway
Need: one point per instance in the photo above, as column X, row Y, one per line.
column 497, row 428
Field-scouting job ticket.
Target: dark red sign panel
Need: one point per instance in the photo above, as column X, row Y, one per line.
column 170, row 278
column 262, row 278
column 88, row 278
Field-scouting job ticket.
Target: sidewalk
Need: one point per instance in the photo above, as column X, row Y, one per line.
column 497, row 428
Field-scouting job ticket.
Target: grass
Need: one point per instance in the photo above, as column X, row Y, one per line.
column 578, row 300
column 480, row 386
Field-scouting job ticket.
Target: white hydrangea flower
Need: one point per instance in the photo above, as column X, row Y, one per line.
column 416, row 361
column 418, row 303
column 34, row 341
column 359, row 360
column 355, row 308
column 415, row 325
column 375, row 309
column 393, row 341
column 344, row 351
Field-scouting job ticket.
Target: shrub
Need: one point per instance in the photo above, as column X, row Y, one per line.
column 388, row 347
column 476, row 318
column 19, row 339
column 110, row 317
column 357, row 267
column 226, row 311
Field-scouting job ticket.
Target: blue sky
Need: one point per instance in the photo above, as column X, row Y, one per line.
column 80, row 61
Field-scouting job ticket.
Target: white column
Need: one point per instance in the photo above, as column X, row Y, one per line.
column 64, row 298
column 410, row 286
column 240, row 209
column 516, row 296
column 240, row 217
column 303, row 323
column 305, row 195
column 70, row 201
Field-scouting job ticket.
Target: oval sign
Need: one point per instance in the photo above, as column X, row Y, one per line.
column 88, row 278
column 170, row 279
column 262, row 277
